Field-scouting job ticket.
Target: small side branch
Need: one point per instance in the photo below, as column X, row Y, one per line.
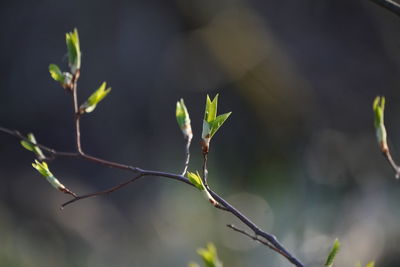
column 257, row 231
column 104, row 192
column 389, row 5
column 255, row 238
column 51, row 151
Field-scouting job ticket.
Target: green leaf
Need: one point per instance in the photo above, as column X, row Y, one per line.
column 193, row 264
column 27, row 145
column 196, row 180
column 74, row 50
column 56, row 73
column 31, row 146
column 209, row 256
column 211, row 109
column 332, row 254
column 183, row 119
column 217, row 123
column 370, row 264
column 95, row 98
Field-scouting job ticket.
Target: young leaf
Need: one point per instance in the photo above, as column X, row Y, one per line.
column 196, row 180
column 74, row 50
column 379, row 108
column 217, row 123
column 31, row 146
column 183, row 119
column 211, row 109
column 95, row 98
column 370, row 264
column 209, row 256
column 332, row 254
column 56, row 73
column 193, row 264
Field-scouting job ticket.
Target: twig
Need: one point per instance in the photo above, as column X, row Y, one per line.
column 221, row 203
column 257, row 231
column 51, row 151
column 389, row 5
column 187, row 152
column 395, row 167
column 205, row 170
column 104, row 192
column 215, row 199
column 77, row 115
column 254, row 237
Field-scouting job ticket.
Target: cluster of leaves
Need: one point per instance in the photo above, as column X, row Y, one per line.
column 66, row 80
column 211, row 125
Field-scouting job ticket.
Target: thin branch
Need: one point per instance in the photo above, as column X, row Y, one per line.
column 104, row 192
column 77, row 112
column 51, row 151
column 187, row 152
column 255, row 238
column 220, row 202
column 257, row 231
column 389, row 5
column 205, row 170
column 395, row 167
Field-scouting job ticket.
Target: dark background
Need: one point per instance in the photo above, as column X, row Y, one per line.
column 298, row 155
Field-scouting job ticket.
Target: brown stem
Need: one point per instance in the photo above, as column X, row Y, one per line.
column 77, row 112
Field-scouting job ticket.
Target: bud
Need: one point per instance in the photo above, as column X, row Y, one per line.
column 74, row 51
column 183, row 119
column 378, row 108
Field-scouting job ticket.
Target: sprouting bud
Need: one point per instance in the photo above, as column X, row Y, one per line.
column 211, row 122
column 183, row 119
column 31, row 146
column 95, row 98
column 74, row 51
column 196, row 180
column 378, row 108
column 43, row 169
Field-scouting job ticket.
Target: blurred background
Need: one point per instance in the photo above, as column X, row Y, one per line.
column 298, row 155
